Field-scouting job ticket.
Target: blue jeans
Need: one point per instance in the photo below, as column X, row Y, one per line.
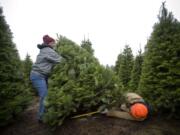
column 39, row 82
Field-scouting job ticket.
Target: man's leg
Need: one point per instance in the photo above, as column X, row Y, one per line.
column 40, row 85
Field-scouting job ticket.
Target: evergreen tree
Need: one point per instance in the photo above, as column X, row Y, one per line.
column 27, row 66
column 136, row 72
column 13, row 95
column 118, row 63
column 78, row 84
column 125, row 63
column 160, row 77
column 86, row 44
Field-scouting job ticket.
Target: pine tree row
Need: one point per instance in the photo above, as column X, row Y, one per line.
column 81, row 84
column 14, row 94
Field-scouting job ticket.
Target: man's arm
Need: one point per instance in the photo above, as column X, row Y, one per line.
column 53, row 57
column 121, row 114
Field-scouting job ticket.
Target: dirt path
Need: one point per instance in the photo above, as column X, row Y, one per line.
column 27, row 124
column 95, row 125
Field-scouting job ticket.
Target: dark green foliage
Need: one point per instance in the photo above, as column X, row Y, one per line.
column 86, row 44
column 160, row 80
column 79, row 84
column 136, row 72
column 118, row 64
column 124, row 66
column 27, row 66
column 13, row 95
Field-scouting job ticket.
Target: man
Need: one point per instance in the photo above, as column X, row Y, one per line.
column 133, row 108
column 45, row 61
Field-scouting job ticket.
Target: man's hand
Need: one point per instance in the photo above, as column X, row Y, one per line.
column 124, row 108
column 104, row 111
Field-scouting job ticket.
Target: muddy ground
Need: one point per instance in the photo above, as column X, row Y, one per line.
column 94, row 125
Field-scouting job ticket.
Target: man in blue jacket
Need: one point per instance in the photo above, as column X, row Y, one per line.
column 45, row 61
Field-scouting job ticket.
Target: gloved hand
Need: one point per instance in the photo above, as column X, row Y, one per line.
column 124, row 108
column 104, row 111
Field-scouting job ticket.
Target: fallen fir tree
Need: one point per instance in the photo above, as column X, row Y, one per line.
column 78, row 84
